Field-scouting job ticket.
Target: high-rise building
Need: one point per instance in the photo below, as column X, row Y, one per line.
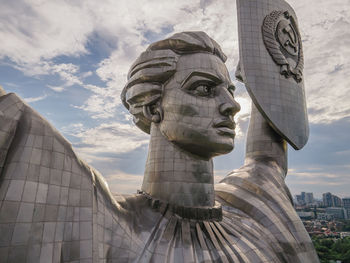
column 305, row 198
column 300, row 200
column 346, row 202
column 346, row 205
column 336, row 201
column 330, row 200
column 327, row 199
column 309, row 198
column 337, row 212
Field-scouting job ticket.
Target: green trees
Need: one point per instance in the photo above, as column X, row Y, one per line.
column 332, row 249
column 347, row 226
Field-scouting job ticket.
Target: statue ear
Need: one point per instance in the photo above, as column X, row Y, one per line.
column 153, row 113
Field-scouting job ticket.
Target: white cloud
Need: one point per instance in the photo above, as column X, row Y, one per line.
column 121, row 182
column 325, row 30
column 36, row 31
column 243, row 115
column 106, row 138
column 35, row 99
column 103, row 102
column 56, row 88
column 73, row 128
column 10, row 84
column 67, row 73
column 86, row 74
column 321, row 179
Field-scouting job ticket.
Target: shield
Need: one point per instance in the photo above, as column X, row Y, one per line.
column 271, row 66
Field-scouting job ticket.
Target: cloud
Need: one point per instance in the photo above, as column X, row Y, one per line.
column 102, row 103
column 121, row 182
column 35, row 99
column 10, row 84
column 243, row 115
column 324, row 27
column 343, row 153
column 56, row 88
column 67, row 73
column 321, row 179
column 86, row 74
column 107, row 138
column 33, row 32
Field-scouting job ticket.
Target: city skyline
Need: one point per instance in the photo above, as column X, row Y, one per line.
column 320, row 197
column 69, row 62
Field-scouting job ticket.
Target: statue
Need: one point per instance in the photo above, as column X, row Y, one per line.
column 56, row 208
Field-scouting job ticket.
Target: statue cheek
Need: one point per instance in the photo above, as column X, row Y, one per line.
column 180, row 111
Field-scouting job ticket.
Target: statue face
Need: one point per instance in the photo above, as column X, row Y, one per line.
column 199, row 107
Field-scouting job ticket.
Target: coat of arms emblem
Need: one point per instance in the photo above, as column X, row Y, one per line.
column 283, row 42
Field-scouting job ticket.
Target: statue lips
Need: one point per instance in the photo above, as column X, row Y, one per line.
column 225, row 127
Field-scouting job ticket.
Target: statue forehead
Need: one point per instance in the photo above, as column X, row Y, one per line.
column 203, row 62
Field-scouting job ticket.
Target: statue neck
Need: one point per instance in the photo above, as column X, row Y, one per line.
column 175, row 176
column 264, row 143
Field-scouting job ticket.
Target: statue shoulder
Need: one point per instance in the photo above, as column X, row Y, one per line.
column 32, row 149
column 11, row 106
column 256, row 200
column 255, row 185
column 256, row 170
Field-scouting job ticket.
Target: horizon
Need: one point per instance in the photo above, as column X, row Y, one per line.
column 320, row 197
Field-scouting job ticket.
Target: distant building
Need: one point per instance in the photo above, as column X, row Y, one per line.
column 337, row 212
column 330, row 200
column 309, row 198
column 305, row 198
column 324, row 216
column 347, row 212
column 346, row 202
column 306, row 215
column 327, row 200
column 300, row 200
column 344, row 234
column 336, row 201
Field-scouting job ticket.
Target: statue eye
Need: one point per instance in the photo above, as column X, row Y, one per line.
column 203, row 90
column 201, row 86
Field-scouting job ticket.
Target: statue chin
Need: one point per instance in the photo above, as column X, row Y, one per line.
column 198, row 142
column 205, row 151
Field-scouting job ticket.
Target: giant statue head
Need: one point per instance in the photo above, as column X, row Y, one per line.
column 180, row 86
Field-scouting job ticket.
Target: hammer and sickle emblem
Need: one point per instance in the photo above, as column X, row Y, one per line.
column 287, row 36
column 291, row 41
column 282, row 40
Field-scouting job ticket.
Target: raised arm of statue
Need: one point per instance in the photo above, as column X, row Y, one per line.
column 263, row 143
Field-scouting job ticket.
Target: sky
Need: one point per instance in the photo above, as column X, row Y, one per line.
column 69, row 60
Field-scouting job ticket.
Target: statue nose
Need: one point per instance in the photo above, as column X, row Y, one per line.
column 228, row 109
